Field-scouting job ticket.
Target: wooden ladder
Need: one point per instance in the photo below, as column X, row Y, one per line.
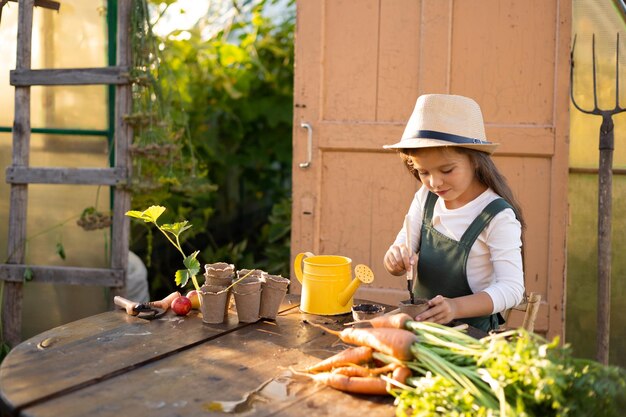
column 20, row 175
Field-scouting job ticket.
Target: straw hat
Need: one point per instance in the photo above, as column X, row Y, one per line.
column 445, row 120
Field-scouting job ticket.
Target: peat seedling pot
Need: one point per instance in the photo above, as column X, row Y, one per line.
column 214, row 303
column 219, row 273
column 366, row 311
column 248, row 298
column 419, row 306
column 273, row 290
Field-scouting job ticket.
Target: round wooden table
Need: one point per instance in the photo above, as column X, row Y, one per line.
column 113, row 364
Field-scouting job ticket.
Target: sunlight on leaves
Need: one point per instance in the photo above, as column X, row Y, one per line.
column 150, row 215
column 176, row 228
column 192, row 264
column 181, row 278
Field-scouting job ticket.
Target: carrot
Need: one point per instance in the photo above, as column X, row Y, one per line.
column 353, row 384
column 166, row 302
column 396, row 321
column 393, row 342
column 355, row 370
column 400, row 374
column 371, row 385
column 354, row 355
column 352, row 370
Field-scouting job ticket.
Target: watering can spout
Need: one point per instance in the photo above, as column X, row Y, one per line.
column 363, row 274
column 346, row 295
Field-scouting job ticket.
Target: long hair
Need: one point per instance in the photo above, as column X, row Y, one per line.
column 486, row 172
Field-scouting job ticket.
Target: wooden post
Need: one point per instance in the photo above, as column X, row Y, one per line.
column 123, row 137
column 532, row 307
column 605, row 198
column 12, row 300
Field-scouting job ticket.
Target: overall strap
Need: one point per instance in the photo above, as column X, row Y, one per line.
column 483, row 219
column 429, row 208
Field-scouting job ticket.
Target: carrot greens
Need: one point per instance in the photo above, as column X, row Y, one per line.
column 515, row 373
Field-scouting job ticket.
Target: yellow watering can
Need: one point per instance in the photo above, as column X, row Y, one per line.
column 327, row 284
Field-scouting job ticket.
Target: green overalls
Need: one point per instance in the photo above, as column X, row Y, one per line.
column 442, row 264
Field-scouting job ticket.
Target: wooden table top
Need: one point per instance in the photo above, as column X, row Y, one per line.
column 113, row 364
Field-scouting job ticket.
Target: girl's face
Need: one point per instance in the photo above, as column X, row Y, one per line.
column 449, row 174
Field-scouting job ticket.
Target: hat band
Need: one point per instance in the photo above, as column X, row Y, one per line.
column 448, row 137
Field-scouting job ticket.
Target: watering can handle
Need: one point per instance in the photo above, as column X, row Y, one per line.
column 297, row 264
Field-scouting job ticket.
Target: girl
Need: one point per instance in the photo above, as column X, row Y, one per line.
column 466, row 224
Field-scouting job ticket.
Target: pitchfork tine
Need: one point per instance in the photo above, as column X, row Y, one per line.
column 596, row 110
column 571, row 80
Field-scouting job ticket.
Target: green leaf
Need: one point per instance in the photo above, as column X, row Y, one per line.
column 192, row 264
column 182, row 276
column 4, row 350
column 28, row 274
column 150, row 215
column 60, row 250
column 176, row 228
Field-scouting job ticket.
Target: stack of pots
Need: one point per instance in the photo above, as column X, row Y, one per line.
column 214, row 294
column 258, row 295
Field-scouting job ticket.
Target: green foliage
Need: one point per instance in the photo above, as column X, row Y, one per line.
column 233, row 93
column 4, row 350
column 172, row 233
column 516, row 373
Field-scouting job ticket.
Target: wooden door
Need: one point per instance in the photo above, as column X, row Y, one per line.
column 360, row 66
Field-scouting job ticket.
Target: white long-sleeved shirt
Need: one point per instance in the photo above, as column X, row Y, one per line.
column 495, row 260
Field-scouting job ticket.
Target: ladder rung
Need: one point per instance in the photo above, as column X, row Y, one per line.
column 46, row 4
column 64, row 275
column 70, row 76
column 84, row 176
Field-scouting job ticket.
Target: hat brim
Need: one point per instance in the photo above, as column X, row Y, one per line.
column 414, row 143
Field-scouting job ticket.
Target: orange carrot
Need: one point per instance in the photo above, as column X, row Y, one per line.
column 393, row 342
column 352, row 370
column 166, row 302
column 353, row 384
column 354, row 355
column 355, row 370
column 401, row 373
column 396, row 321
column 371, row 385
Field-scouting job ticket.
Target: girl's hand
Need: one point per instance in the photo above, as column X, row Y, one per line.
column 399, row 259
column 441, row 310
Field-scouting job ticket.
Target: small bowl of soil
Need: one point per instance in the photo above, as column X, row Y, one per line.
column 366, row 311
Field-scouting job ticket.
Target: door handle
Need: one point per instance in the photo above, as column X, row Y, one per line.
column 309, row 145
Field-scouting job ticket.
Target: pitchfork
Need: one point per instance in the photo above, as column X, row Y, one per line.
column 605, row 197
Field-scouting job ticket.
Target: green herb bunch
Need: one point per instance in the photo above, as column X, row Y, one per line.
column 514, row 373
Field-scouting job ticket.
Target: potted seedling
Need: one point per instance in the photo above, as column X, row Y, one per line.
column 172, row 233
column 211, row 299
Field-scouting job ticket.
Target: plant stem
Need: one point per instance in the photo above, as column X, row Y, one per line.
column 195, row 283
column 177, row 246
